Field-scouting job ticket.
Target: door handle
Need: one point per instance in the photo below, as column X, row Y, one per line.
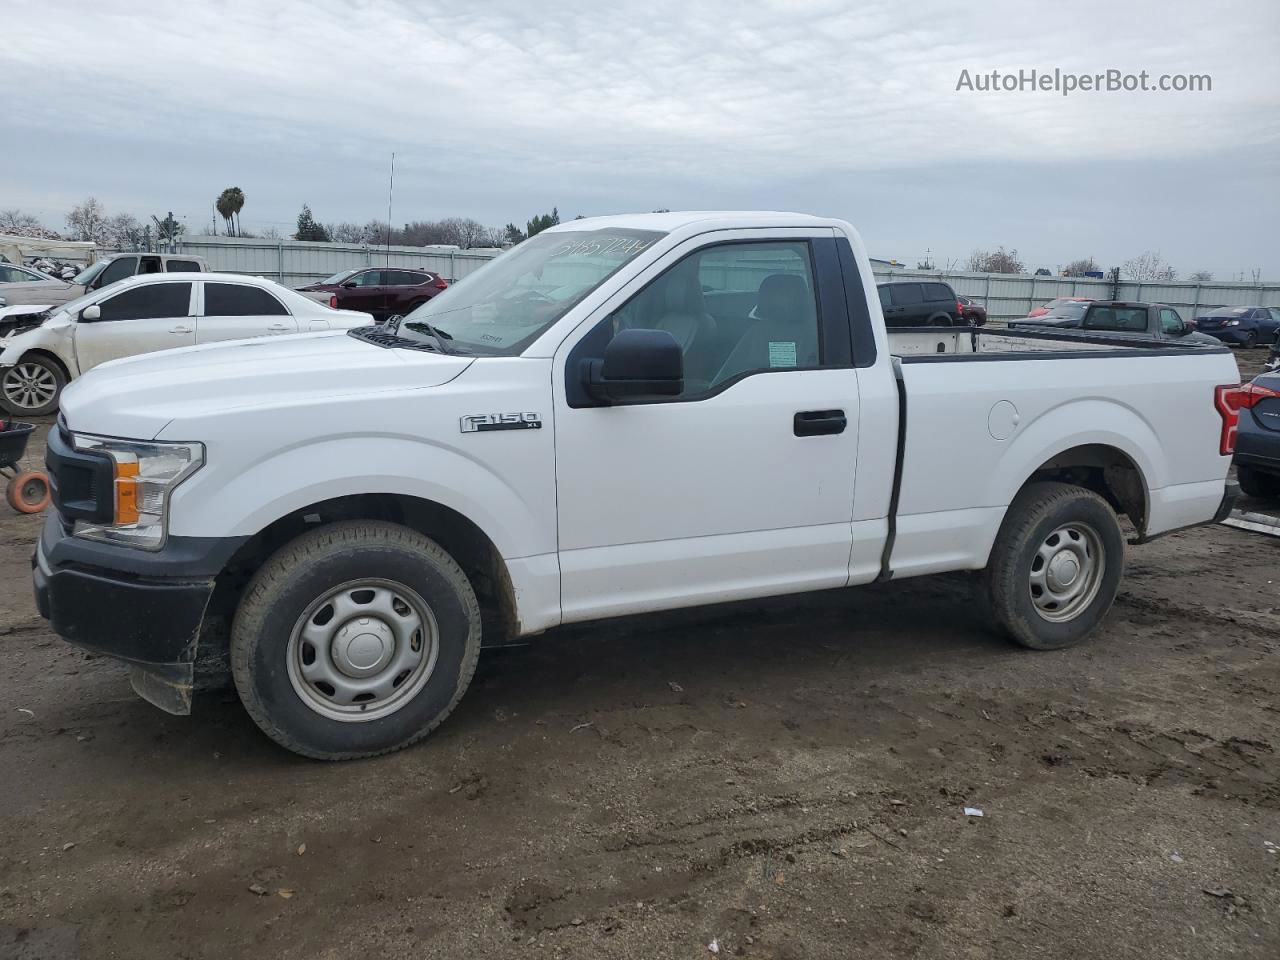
column 816, row 423
column 179, row 329
column 278, row 328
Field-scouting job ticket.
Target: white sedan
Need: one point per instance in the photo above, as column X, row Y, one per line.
column 142, row 314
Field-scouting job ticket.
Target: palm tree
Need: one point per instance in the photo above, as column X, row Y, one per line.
column 229, row 204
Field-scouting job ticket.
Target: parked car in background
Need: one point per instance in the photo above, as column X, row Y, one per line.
column 972, row 312
column 1242, row 326
column 1257, row 457
column 102, row 273
column 1048, row 307
column 1117, row 318
column 381, row 291
column 144, row 314
column 927, row 303
column 12, row 273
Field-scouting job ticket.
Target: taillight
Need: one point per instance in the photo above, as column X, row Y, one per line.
column 440, row 284
column 1252, row 394
column 333, row 301
column 1229, row 399
column 959, row 309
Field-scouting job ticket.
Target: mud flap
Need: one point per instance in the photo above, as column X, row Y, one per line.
column 165, row 685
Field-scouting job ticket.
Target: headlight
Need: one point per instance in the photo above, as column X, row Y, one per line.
column 145, row 474
column 1233, row 323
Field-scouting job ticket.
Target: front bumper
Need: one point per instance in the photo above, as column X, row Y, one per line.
column 143, row 608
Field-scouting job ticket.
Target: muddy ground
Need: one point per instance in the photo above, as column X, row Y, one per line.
column 783, row 779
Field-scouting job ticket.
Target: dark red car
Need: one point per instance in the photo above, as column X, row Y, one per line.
column 381, row 291
column 973, row 313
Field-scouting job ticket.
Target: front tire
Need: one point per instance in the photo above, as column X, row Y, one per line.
column 32, row 386
column 355, row 640
column 1055, row 567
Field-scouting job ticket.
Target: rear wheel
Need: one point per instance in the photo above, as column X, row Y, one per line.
column 32, row 386
column 355, row 640
column 1255, row 483
column 1055, row 567
column 1250, row 340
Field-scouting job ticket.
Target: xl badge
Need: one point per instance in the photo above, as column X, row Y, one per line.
column 482, row 422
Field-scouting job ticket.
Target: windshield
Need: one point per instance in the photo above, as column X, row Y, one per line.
column 338, row 277
column 502, row 307
column 86, row 275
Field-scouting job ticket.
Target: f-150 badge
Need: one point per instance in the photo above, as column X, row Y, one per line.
column 483, row 422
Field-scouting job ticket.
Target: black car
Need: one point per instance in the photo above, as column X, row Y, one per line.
column 1257, row 456
column 927, row 303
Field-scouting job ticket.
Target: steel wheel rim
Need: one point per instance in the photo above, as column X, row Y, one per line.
column 1066, row 572
column 363, row 650
column 30, row 386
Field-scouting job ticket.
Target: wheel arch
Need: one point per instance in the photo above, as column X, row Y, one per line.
column 469, row 545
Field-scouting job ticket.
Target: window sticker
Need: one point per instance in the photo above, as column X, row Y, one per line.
column 782, row 353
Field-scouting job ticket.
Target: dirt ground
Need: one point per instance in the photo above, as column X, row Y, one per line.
column 783, row 779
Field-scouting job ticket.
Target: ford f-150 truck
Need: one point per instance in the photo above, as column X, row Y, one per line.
column 619, row 415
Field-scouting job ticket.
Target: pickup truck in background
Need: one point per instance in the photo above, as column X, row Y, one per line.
column 1119, row 319
column 618, row 415
column 53, row 292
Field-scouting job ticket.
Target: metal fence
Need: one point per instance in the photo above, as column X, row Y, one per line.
column 1009, row 296
column 298, row 262
column 1006, row 296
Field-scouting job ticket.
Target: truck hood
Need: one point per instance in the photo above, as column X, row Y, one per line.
column 138, row 396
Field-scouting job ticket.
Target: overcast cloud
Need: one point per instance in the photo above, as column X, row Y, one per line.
column 502, row 110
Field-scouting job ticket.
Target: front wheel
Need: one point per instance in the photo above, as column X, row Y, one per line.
column 1250, row 340
column 1055, row 567
column 354, row 640
column 31, row 387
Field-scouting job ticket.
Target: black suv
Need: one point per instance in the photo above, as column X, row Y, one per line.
column 926, row 303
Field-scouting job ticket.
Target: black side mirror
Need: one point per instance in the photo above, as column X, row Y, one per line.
column 637, row 365
column 349, row 284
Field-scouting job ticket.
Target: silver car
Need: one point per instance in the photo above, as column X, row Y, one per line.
column 48, row 290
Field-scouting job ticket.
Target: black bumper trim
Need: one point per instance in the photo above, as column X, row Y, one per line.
column 144, row 608
column 1229, row 497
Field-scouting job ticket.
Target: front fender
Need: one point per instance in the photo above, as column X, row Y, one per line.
column 225, row 500
column 50, row 340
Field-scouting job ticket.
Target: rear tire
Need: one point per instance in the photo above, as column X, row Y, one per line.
column 1250, row 340
column 391, row 627
column 1255, row 483
column 1055, row 566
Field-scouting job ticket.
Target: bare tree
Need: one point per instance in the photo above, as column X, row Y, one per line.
column 123, row 230
column 1149, row 266
column 1078, row 268
column 347, row 232
column 17, row 223
column 1201, row 276
column 1001, row 261
column 88, row 221
column 270, row 233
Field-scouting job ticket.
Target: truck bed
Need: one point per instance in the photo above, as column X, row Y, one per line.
column 924, row 344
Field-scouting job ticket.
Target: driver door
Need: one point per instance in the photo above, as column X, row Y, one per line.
column 139, row 319
column 741, row 486
column 365, row 291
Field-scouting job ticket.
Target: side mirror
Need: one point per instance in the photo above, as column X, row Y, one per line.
column 349, row 284
column 91, row 313
column 637, row 365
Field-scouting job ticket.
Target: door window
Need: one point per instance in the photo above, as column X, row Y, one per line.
column 1170, row 322
column 886, row 297
column 240, row 300
column 117, row 269
column 148, row 302
column 734, row 309
column 1125, row 319
column 369, row 278
column 906, row 294
column 406, row 278
column 938, row 291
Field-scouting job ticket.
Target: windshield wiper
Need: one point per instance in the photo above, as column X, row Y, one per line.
column 426, row 327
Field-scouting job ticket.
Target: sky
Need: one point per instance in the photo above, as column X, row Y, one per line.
column 502, row 110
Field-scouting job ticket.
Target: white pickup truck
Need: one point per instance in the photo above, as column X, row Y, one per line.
column 619, row 415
